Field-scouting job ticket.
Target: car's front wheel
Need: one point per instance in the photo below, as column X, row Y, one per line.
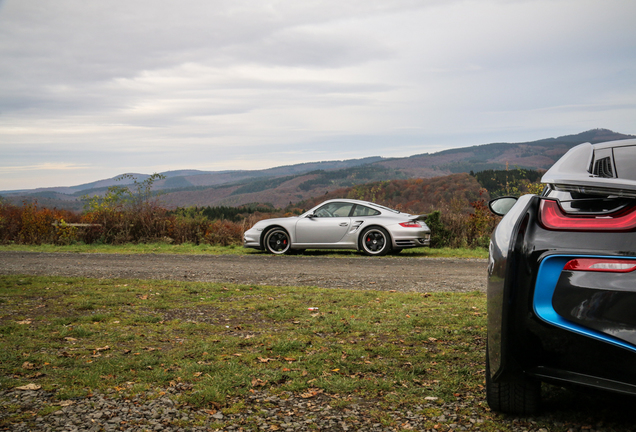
column 375, row 241
column 277, row 241
column 517, row 395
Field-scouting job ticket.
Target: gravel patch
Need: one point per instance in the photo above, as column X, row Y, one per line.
column 413, row 274
column 158, row 411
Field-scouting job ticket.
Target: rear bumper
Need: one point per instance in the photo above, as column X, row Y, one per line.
column 411, row 243
column 409, row 237
column 547, row 323
column 564, row 334
column 598, row 305
column 577, row 328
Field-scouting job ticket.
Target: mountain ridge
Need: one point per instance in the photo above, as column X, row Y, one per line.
column 288, row 184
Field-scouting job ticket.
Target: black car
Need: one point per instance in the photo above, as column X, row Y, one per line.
column 562, row 281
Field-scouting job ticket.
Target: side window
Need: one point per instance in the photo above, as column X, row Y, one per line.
column 334, row 209
column 364, row 211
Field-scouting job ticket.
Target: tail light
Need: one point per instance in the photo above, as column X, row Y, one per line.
column 410, row 224
column 552, row 217
column 601, row 265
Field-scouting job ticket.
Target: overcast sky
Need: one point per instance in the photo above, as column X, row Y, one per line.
column 93, row 89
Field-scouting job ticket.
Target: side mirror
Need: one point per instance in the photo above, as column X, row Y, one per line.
column 311, row 215
column 502, row 205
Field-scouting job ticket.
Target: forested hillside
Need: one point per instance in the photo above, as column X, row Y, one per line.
column 509, row 182
column 413, row 195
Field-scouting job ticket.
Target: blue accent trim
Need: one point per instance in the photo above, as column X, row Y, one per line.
column 547, row 279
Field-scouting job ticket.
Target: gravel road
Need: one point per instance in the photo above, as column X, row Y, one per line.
column 389, row 273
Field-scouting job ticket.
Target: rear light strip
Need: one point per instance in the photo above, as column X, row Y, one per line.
column 601, row 265
column 552, row 217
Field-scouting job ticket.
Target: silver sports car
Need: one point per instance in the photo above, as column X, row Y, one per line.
column 341, row 224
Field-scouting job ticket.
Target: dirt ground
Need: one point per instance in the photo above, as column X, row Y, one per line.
column 414, row 274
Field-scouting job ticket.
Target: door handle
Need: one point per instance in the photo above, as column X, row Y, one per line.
column 344, row 224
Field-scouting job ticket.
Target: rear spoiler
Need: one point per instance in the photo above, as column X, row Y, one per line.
column 419, row 217
column 579, row 170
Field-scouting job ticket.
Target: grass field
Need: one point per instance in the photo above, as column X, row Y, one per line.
column 76, row 336
column 156, row 332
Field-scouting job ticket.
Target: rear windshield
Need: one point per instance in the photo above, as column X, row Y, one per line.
column 385, row 208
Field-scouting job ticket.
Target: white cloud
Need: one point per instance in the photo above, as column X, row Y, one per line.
column 46, row 166
column 246, row 84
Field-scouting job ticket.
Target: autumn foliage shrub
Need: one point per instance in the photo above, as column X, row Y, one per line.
column 224, row 233
column 31, row 224
column 454, row 226
column 125, row 214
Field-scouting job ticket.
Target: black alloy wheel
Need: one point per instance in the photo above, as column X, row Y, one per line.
column 375, row 241
column 277, row 241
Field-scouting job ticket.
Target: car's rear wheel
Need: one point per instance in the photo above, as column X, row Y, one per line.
column 375, row 241
column 277, row 241
column 517, row 395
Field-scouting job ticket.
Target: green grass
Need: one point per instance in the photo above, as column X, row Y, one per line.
column 392, row 349
column 164, row 248
column 227, row 339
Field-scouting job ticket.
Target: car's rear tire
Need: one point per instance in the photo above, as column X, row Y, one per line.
column 375, row 241
column 277, row 241
column 519, row 395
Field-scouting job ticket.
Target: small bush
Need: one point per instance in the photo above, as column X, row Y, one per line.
column 453, row 226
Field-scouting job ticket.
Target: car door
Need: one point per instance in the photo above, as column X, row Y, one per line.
column 328, row 225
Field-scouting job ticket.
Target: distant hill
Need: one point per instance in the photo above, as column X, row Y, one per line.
column 539, row 154
column 281, row 186
column 195, row 178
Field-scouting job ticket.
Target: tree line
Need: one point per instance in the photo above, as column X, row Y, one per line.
column 455, row 206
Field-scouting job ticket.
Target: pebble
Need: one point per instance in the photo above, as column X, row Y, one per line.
column 288, row 412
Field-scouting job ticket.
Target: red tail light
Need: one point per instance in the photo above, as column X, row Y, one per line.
column 552, row 217
column 410, row 225
column 601, row 265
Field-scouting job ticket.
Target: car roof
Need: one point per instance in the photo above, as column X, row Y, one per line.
column 380, row 207
column 349, row 200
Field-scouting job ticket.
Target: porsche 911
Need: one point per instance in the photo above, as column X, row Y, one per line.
column 341, row 224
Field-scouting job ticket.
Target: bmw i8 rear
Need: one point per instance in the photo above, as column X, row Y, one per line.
column 562, row 281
